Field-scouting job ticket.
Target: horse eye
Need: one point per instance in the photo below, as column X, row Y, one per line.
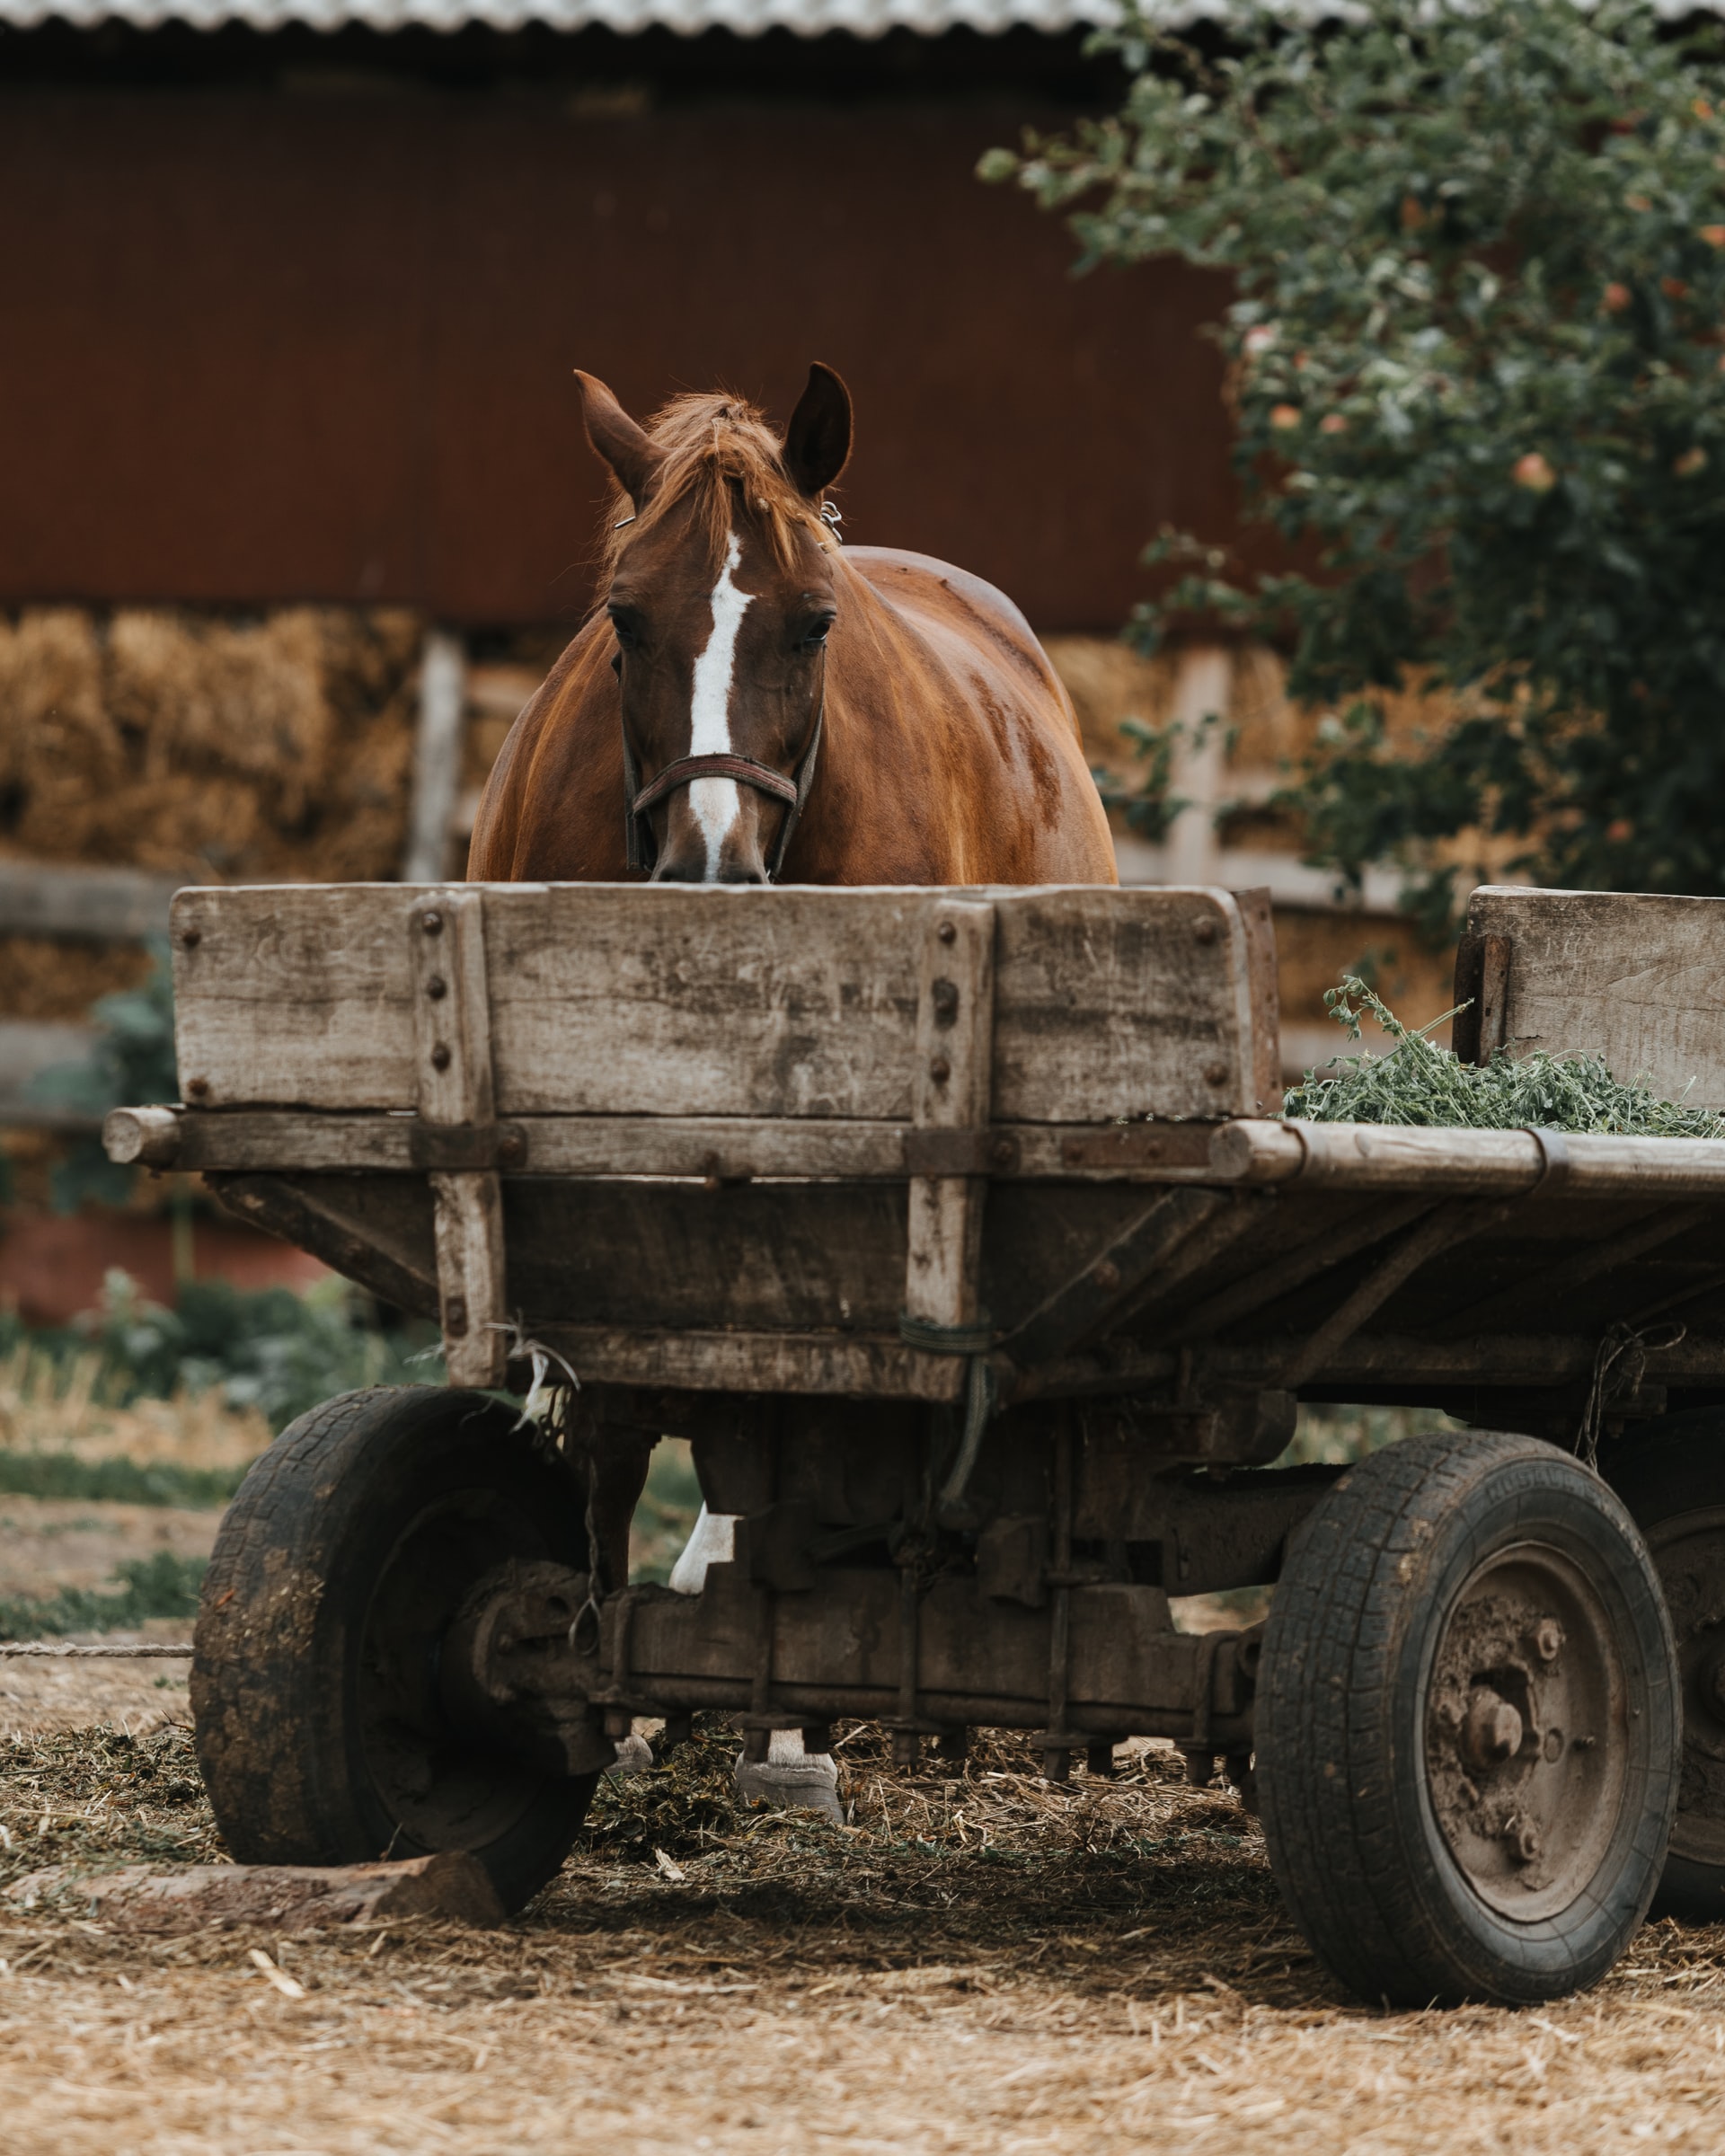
column 814, row 633
column 626, row 627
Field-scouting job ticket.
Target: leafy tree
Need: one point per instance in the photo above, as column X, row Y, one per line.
column 130, row 1062
column 1478, row 264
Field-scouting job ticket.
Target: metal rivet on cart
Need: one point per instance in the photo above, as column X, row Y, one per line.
column 440, row 1057
column 940, row 1070
column 432, row 924
column 198, row 1086
column 1206, row 931
column 192, row 937
column 946, row 931
column 1216, row 1073
column 1548, row 1638
column 435, row 988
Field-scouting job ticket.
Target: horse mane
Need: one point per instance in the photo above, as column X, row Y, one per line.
column 720, row 454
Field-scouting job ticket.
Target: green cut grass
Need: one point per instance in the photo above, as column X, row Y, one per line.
column 1421, row 1083
column 162, row 1585
column 117, row 1480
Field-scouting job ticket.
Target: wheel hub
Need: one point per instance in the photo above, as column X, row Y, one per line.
column 1524, row 1691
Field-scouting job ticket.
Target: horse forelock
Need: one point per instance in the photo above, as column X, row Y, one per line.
column 723, row 463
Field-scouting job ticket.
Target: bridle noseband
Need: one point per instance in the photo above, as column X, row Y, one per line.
column 641, row 848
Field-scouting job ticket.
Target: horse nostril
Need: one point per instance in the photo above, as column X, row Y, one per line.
column 738, row 872
column 673, row 870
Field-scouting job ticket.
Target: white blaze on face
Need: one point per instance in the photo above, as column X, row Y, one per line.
column 715, row 802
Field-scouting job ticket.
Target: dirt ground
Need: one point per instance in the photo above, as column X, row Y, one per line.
column 980, row 1962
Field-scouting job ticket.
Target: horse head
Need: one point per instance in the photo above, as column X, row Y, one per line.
column 720, row 596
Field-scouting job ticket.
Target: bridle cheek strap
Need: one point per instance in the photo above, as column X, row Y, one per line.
column 744, row 770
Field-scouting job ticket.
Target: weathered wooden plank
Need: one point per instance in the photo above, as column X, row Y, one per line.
column 954, row 1076
column 756, row 1257
column 1122, row 1004
column 1257, row 922
column 609, row 999
column 1639, row 980
column 854, row 1364
column 296, row 997
column 733, row 1149
column 604, row 1003
column 1376, row 1156
column 1081, row 1302
column 468, row 1224
column 445, row 937
column 377, row 1230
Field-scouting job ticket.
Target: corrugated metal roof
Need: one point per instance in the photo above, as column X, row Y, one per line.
column 742, row 18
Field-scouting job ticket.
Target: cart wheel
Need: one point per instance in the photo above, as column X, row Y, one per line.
column 1673, row 1481
column 1467, row 1724
column 320, row 1726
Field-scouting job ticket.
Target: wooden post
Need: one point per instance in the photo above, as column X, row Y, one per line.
column 437, row 758
column 954, row 1075
column 452, row 1041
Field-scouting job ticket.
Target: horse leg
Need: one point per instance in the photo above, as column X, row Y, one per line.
column 790, row 1778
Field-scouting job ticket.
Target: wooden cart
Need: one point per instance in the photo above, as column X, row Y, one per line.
column 957, row 1231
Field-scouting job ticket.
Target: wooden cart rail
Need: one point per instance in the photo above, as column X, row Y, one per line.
column 599, row 999
column 758, row 1160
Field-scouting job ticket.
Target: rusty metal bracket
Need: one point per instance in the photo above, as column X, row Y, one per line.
column 1554, row 1150
column 467, row 1145
column 977, row 1151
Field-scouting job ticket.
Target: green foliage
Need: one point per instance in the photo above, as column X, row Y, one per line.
column 160, row 1586
column 117, row 1480
column 1152, row 805
column 1477, row 255
column 270, row 1349
column 131, row 1064
column 1419, row 1082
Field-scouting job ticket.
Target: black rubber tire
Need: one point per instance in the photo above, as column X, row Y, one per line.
column 1345, row 1683
column 1676, row 1467
column 319, row 1722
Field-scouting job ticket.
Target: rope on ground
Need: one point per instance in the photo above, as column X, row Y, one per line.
column 43, row 1650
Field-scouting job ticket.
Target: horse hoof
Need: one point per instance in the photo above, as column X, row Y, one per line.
column 634, row 1756
column 807, row 1782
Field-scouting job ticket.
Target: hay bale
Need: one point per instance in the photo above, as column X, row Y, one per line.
column 215, row 750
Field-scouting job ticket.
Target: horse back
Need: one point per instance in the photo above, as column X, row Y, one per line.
column 985, row 721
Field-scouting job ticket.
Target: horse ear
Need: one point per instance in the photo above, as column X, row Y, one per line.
column 625, row 446
column 818, row 441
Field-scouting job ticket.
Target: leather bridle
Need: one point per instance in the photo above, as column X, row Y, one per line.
column 640, row 846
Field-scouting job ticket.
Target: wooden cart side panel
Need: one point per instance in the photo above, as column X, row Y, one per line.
column 1637, row 980
column 298, row 996
column 620, row 999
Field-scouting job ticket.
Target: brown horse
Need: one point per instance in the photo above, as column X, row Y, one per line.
column 753, row 703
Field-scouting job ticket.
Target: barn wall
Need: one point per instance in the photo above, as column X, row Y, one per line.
column 266, row 348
